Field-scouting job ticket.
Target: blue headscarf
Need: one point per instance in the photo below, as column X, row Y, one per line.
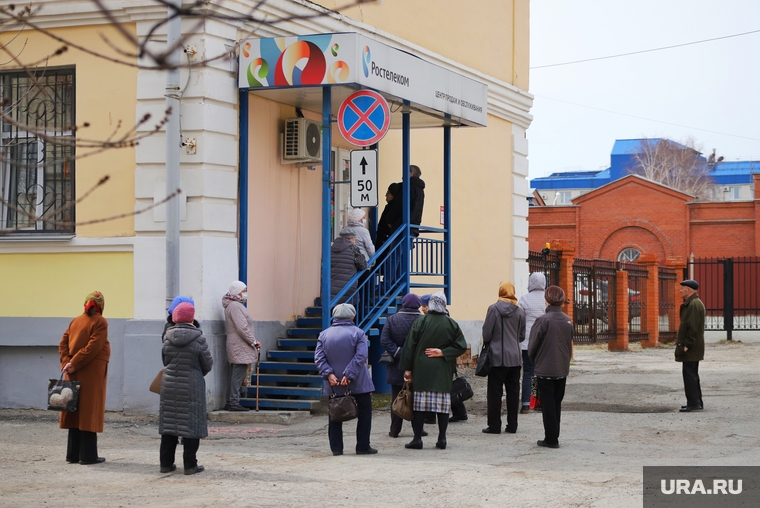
column 177, row 300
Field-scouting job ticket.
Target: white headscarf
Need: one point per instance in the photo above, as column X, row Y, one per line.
column 438, row 302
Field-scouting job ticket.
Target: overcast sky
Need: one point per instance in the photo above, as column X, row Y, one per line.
column 708, row 91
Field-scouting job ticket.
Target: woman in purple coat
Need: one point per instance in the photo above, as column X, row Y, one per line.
column 341, row 357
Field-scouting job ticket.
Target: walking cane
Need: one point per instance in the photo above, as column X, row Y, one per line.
column 258, row 362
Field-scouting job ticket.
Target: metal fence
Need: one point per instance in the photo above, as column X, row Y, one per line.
column 547, row 262
column 668, row 309
column 594, row 290
column 637, row 297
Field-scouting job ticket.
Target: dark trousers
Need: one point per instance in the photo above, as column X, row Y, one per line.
column 418, row 422
column 363, row 425
column 552, row 392
column 237, row 375
column 458, row 409
column 82, row 445
column 528, row 369
column 169, row 446
column 509, row 378
column 691, row 384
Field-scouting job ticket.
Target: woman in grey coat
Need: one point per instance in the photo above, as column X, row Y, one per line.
column 182, row 413
column 534, row 305
column 363, row 239
column 345, row 260
column 242, row 347
column 503, row 331
column 341, row 358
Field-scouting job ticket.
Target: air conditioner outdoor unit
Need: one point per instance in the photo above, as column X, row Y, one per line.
column 303, row 140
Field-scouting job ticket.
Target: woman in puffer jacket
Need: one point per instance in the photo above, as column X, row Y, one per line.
column 242, row 347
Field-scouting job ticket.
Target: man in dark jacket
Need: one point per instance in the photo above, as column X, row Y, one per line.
column 391, row 217
column 690, row 344
column 416, row 197
column 550, row 349
column 392, row 338
column 345, row 260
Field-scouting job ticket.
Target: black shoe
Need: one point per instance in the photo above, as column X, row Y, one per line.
column 393, row 433
column 547, row 445
column 236, row 407
column 72, row 461
column 168, row 469
column 689, row 409
column 99, row 460
column 489, row 430
column 414, row 444
column 424, row 433
column 338, row 453
column 525, row 410
column 196, row 469
column 510, row 431
column 457, row 419
column 368, row 451
column 441, row 444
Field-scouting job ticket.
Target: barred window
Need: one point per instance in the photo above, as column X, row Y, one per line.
column 37, row 152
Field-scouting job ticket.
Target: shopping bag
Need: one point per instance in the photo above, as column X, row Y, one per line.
column 63, row 395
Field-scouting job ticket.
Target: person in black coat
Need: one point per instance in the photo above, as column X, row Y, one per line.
column 416, row 197
column 392, row 215
column 392, row 338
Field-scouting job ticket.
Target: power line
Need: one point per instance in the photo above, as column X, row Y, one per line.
column 645, row 50
column 648, row 119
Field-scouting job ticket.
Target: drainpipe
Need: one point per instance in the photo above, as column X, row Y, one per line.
column 243, row 189
column 172, row 153
column 406, row 193
column 447, row 210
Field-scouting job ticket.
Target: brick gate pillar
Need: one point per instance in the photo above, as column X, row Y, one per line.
column 678, row 264
column 651, row 300
column 566, row 282
column 756, row 180
column 621, row 313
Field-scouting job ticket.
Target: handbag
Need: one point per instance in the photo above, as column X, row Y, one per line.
column 63, row 395
column 385, row 359
column 460, row 389
column 155, row 385
column 404, row 403
column 342, row 408
column 484, row 362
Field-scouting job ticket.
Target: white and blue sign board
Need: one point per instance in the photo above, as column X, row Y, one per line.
column 363, row 178
column 364, row 118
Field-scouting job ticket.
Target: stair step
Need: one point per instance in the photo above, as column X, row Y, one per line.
column 305, row 342
column 309, row 322
column 267, row 365
column 295, row 391
column 288, row 378
column 313, row 311
column 304, row 405
column 303, row 332
column 302, row 355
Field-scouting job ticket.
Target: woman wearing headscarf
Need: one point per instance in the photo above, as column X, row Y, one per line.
column 392, row 338
column 534, row 305
column 503, row 330
column 242, row 346
column 550, row 348
column 182, row 412
column 428, row 359
column 363, row 239
column 84, row 352
column 341, row 358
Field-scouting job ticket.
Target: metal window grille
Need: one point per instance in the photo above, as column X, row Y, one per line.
column 37, row 151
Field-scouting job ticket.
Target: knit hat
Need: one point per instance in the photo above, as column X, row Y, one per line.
column 425, row 300
column 177, row 300
column 355, row 215
column 395, row 189
column 347, row 233
column 344, row 311
column 237, row 287
column 411, row 301
column 95, row 299
column 690, row 283
column 554, row 295
column 184, row 312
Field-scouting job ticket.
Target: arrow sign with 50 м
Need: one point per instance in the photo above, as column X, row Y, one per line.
column 363, row 178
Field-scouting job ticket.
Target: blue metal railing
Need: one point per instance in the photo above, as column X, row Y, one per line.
column 428, row 257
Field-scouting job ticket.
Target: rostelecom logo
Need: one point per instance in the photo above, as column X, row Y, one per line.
column 366, row 60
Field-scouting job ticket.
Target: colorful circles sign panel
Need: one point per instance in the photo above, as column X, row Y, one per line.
column 364, row 118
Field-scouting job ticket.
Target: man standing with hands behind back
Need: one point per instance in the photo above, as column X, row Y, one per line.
column 690, row 344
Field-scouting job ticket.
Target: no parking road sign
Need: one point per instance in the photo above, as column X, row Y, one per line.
column 363, row 178
column 364, row 118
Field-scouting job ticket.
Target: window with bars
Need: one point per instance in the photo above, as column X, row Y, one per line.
column 37, row 152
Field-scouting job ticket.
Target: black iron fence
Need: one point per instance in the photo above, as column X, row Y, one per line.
column 667, row 307
column 637, row 295
column 547, row 262
column 730, row 291
column 594, row 302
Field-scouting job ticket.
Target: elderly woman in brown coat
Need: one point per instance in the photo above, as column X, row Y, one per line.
column 242, row 346
column 84, row 351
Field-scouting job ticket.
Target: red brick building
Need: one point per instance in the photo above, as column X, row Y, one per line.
column 634, row 212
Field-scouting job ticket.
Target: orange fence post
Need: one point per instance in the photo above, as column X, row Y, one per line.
column 621, row 313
